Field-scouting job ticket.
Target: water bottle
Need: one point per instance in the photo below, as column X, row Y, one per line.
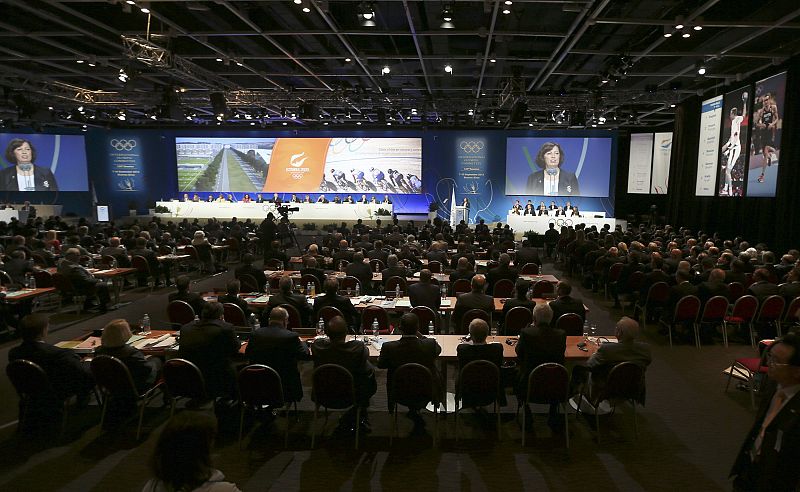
column 444, row 292
column 146, row 324
column 585, row 331
column 375, row 328
column 397, row 291
column 32, row 281
column 358, row 290
column 196, row 319
column 431, row 329
column 349, row 291
column 320, row 327
column 312, row 289
column 266, row 289
column 254, row 322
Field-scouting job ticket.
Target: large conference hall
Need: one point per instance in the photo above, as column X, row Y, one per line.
column 399, row 245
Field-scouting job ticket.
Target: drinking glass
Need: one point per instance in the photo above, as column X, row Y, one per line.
column 494, row 333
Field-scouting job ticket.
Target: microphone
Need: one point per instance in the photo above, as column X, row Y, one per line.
column 552, row 172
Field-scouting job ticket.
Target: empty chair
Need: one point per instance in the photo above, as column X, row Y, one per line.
column 426, row 316
column 34, row 390
column 750, row 368
column 248, row 283
column 686, row 311
column 461, row 286
column 743, row 312
column 469, row 316
column 180, row 313
column 790, row 316
column 612, row 278
column 372, row 313
column 435, row 266
column 309, row 278
column 327, row 313
column 115, row 381
column 183, row 380
column 530, row 269
column 143, row 269
column 714, row 313
column 504, row 288
column 770, row 312
column 735, row 291
column 347, row 285
column 543, row 288
column 548, row 384
column 478, row 386
column 260, row 386
column 332, row 388
column 43, row 278
column 413, row 386
column 571, row 323
column 393, row 282
column 517, row 318
column 657, row 297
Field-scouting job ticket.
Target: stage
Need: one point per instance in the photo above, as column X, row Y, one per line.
column 524, row 223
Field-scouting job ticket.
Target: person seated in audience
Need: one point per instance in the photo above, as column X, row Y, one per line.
column 307, row 199
column 246, row 198
column 522, row 290
column 280, row 348
column 406, row 253
column 437, row 252
column 67, row 375
column 503, row 271
column 386, row 200
column 42, row 250
column 477, row 348
column 343, row 304
column 18, row 243
column 52, row 242
column 182, row 456
column 363, row 199
column 791, row 288
column 114, row 342
column 247, row 268
column 183, row 294
column 286, row 295
column 462, row 251
column 539, row 343
column 410, row 348
column 541, row 210
column 529, row 210
column 463, row 270
column 275, row 252
column 311, row 267
column 349, row 199
column 83, row 283
column 394, row 269
column 322, row 199
column 783, row 268
column 232, row 297
column 359, row 268
column 203, row 248
column 761, row 286
column 17, row 267
column 565, row 303
column 152, row 261
column 210, row 198
column 424, row 292
column 211, row 344
column 714, row 286
column 377, row 252
column 337, row 199
column 475, row 299
column 353, row 355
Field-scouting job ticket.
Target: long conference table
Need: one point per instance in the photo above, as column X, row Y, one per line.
column 334, row 212
column 524, row 223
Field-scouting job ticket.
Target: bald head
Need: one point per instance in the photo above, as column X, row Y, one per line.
column 336, row 328
column 478, row 283
column 627, row 329
column 716, row 275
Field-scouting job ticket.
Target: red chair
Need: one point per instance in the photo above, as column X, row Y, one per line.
column 530, row 269
column 571, row 323
column 469, row 316
column 504, row 288
column 426, row 316
column 183, row 380
column 744, row 310
column 547, row 384
column 632, row 288
column 543, row 288
column 625, row 382
column 435, row 266
column 613, row 276
column 348, row 285
column 461, row 286
column 294, row 317
column 657, row 297
column 371, row 314
column 180, row 313
column 43, row 278
column 327, row 313
column 260, row 386
column 234, row 315
column 413, row 386
column 479, row 386
column 770, row 312
column 308, row 278
column 143, row 269
column 714, row 313
column 332, row 387
column 517, row 318
column 749, row 367
column 790, row 316
column 248, row 283
column 686, row 311
column 392, row 283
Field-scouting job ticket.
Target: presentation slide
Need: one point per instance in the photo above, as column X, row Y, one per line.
column 300, row 165
column 39, row 162
column 708, row 148
column 765, row 148
column 558, row 166
column 662, row 152
column 640, row 163
column 733, row 151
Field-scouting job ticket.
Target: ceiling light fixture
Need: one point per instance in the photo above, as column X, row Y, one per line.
column 448, row 68
column 123, row 75
column 492, row 60
column 348, row 60
column 679, row 22
column 386, row 70
column 667, row 31
column 686, row 33
column 701, row 70
column 506, row 10
column 366, row 14
column 145, row 8
column 447, row 16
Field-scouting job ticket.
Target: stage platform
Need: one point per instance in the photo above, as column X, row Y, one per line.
column 523, row 223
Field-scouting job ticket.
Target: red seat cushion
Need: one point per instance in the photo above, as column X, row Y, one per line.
column 753, row 364
column 734, row 319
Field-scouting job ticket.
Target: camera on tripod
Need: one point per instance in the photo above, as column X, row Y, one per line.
column 284, row 210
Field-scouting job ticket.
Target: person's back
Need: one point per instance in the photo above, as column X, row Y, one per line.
column 627, row 349
column 477, row 348
column 247, row 268
column 540, row 342
column 475, row 299
column 565, row 303
column 361, row 271
column 286, row 296
column 210, row 344
column 183, row 294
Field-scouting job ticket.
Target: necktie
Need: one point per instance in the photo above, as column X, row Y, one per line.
column 776, row 406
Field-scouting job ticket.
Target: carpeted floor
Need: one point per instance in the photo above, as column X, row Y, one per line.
column 689, row 433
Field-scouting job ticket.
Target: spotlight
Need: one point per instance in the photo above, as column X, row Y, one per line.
column 366, row 14
column 701, row 70
column 122, row 116
column 447, row 17
column 508, row 2
column 448, row 68
column 492, row 60
column 348, row 60
column 686, row 33
column 679, row 22
column 298, row 2
column 123, row 75
column 386, row 70
column 145, row 8
column 506, row 10
column 79, row 61
column 667, row 31
column 698, row 26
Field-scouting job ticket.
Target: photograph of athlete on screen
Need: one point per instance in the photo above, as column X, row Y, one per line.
column 732, row 168
column 766, row 118
column 551, row 179
column 24, row 175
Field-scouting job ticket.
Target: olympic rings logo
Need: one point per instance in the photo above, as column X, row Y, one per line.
column 471, row 146
column 123, row 144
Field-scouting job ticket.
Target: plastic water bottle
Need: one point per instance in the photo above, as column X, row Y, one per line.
column 254, row 322
column 431, row 329
column 146, row 324
column 585, row 331
column 312, row 289
column 397, row 291
column 266, row 289
column 358, row 291
column 375, row 328
column 444, row 292
column 32, row 281
column 320, row 327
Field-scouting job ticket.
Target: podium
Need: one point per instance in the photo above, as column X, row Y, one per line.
column 461, row 213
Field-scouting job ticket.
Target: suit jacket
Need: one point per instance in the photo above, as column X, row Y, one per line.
column 17, row 268
column 353, row 355
column 527, row 255
column 143, row 370
column 567, row 304
column 707, row 290
column 762, row 290
column 238, row 301
column 279, row 349
column 397, row 271
column 610, row 354
column 317, row 272
column 211, row 344
column 362, row 272
column 340, row 255
column 789, row 291
column 458, row 274
column 567, row 183
column 409, row 349
column 511, row 304
column 468, row 352
column 256, row 273
column 118, row 253
column 43, row 179
column 299, row 302
column 471, row 300
column 425, row 294
column 499, row 273
column 776, row 467
column 192, row 298
column 63, row 367
column 82, row 281
column 538, row 345
column 341, row 303
column 676, row 292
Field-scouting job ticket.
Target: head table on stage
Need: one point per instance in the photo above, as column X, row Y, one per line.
column 540, row 224
column 332, row 212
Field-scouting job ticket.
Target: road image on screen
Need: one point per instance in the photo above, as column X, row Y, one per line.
column 300, row 165
column 765, row 146
column 558, row 166
column 40, row 162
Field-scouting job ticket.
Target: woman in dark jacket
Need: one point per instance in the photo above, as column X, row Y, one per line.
column 114, row 342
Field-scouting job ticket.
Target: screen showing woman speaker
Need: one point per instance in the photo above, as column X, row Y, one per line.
column 558, row 166
column 39, row 162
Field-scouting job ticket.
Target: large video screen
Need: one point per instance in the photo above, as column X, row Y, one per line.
column 299, row 165
column 765, row 148
column 708, row 146
column 558, row 166
column 39, row 162
column 735, row 131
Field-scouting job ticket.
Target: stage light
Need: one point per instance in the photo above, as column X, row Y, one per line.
column 358, row 123
column 219, row 59
column 284, row 123
column 508, row 2
column 366, row 14
column 672, row 105
column 348, row 60
column 686, row 33
column 447, row 16
column 701, row 70
column 698, row 24
column 123, row 75
column 506, row 10
column 130, row 2
column 448, row 68
column 298, row 2
column 386, row 70
column 679, row 22
column 79, row 61
column 667, row 31
column 145, row 8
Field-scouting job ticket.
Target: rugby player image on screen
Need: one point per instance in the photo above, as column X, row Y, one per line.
column 24, row 175
column 732, row 151
column 766, row 117
column 551, row 179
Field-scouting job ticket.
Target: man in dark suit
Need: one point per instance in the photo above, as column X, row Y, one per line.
column 343, row 253
column 353, row 355
column 152, row 262
column 285, row 295
column 232, row 297
column 16, row 266
column 247, row 268
column 714, row 286
column 791, row 288
column 63, row 367
column 211, row 344
column 394, row 269
column 462, row 252
column 769, row 455
column 539, row 343
column 311, row 268
column 424, row 293
column 627, row 349
column 463, row 269
column 761, row 286
column 361, row 271
column 411, row 348
column 503, row 270
column 343, row 304
column 551, row 237
column 527, row 254
column 192, row 298
column 377, row 253
column 116, row 250
column 684, row 287
column 475, row 299
column 477, row 348
column 565, row 303
column 279, row 348
column 522, row 289
column 82, row 281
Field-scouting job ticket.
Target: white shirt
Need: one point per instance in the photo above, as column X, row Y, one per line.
column 551, row 183
column 25, row 183
column 736, row 126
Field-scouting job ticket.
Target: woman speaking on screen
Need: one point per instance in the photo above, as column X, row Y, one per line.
column 24, row 175
column 552, row 180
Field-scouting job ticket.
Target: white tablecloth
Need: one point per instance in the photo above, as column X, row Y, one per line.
column 524, row 223
column 308, row 211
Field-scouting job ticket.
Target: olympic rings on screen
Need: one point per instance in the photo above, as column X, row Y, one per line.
column 123, row 144
column 568, row 222
column 560, row 222
column 471, row 146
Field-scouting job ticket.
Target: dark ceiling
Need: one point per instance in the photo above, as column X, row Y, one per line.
column 546, row 63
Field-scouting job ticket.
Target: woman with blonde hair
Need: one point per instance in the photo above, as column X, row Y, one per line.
column 51, row 241
column 114, row 342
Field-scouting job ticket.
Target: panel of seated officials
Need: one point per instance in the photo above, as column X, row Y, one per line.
column 279, row 199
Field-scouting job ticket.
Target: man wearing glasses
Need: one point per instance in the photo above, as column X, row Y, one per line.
column 769, row 456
